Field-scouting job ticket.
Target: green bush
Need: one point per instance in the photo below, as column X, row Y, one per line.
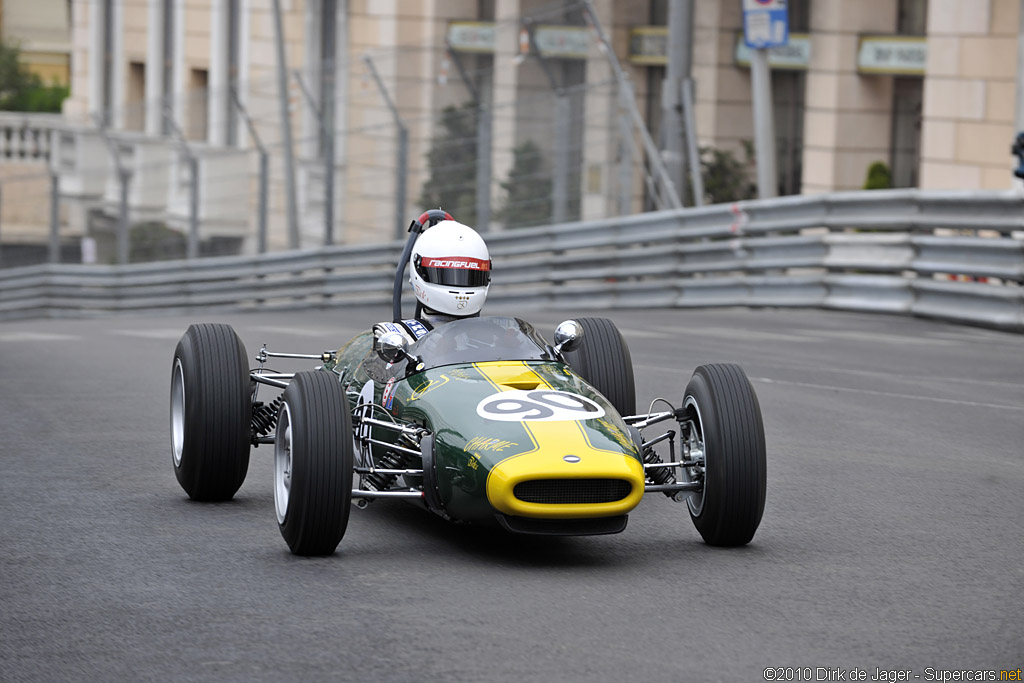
column 725, row 177
column 879, row 177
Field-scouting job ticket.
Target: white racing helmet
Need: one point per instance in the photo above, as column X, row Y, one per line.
column 450, row 269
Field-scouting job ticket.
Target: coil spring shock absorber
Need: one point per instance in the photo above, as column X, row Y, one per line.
column 264, row 418
column 660, row 475
column 392, row 460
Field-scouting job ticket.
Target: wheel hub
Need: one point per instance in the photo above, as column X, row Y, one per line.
column 283, row 464
column 177, row 412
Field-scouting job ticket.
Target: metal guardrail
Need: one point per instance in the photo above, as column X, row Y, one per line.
column 897, row 251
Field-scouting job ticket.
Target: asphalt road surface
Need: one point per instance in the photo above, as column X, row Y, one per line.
column 892, row 534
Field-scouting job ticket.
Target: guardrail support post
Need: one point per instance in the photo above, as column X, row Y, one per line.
column 122, row 221
column 54, row 218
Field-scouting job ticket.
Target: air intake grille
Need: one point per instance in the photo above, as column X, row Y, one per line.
column 566, row 491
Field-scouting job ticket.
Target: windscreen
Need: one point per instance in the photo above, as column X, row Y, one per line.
column 477, row 340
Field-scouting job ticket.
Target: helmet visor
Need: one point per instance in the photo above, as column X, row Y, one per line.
column 455, row 271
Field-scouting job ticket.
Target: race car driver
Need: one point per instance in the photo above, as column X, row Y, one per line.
column 450, row 273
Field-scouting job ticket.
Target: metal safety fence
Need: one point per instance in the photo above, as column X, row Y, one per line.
column 955, row 256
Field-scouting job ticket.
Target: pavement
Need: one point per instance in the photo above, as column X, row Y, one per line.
column 891, row 536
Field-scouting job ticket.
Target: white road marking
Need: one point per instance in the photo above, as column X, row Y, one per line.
column 859, row 373
column 646, row 334
column 301, row 331
column 934, row 399
column 886, row 338
column 739, row 334
column 36, row 337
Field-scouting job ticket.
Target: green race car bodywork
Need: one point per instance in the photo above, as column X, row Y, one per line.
column 518, row 438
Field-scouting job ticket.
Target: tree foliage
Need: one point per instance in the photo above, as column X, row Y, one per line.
column 22, row 90
column 527, row 189
column 452, row 161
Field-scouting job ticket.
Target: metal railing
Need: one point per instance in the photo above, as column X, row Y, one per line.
column 956, row 256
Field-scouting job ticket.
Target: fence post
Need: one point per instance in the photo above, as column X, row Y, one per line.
column 625, row 163
column 692, row 151
column 264, row 173
column 193, row 207
column 560, row 165
column 403, row 148
column 261, row 235
column 483, row 167
column 400, row 191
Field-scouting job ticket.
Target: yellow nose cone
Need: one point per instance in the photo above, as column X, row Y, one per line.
column 560, row 485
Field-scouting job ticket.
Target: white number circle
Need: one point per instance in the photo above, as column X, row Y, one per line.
column 538, row 405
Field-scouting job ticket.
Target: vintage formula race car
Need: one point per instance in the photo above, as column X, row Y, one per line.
column 481, row 420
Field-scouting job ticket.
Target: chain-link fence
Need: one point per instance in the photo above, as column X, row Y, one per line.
column 531, row 140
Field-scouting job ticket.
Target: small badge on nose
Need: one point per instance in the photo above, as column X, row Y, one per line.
column 571, row 458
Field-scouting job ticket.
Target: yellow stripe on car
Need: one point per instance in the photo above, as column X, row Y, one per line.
column 552, row 441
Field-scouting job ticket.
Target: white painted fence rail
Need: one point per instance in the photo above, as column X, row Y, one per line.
column 955, row 256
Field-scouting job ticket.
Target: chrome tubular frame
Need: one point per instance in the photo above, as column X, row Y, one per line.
column 681, row 489
column 404, row 493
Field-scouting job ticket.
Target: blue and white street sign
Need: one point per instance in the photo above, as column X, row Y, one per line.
column 765, row 23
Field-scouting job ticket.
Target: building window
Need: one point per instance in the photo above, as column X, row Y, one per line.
column 912, row 17
column 199, row 82
column 799, row 16
column 907, row 99
column 788, row 109
column 135, row 103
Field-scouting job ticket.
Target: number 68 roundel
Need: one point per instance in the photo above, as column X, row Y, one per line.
column 537, row 405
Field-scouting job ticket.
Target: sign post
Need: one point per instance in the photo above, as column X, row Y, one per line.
column 765, row 25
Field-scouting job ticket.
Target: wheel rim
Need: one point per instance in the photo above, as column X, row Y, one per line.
column 696, row 451
column 283, row 464
column 177, row 412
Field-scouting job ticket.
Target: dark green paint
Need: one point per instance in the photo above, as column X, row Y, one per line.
column 444, row 401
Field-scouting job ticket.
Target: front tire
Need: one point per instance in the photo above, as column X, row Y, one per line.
column 211, row 412
column 728, row 430
column 603, row 360
column 313, row 461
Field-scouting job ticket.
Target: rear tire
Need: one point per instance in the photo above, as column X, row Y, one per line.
column 211, row 412
column 603, row 360
column 313, row 461
column 731, row 433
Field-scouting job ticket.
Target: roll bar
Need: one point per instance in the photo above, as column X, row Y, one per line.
column 426, row 220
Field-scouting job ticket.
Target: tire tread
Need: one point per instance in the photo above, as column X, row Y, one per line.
column 735, row 452
column 603, row 360
column 322, row 462
column 215, row 457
